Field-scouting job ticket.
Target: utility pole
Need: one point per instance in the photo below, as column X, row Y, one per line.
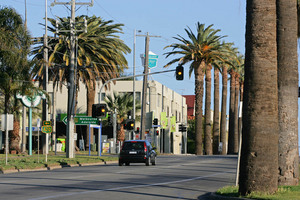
column 23, row 146
column 70, row 149
column 45, row 82
column 145, row 80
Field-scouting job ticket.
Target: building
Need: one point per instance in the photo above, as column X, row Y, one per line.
column 161, row 102
column 190, row 101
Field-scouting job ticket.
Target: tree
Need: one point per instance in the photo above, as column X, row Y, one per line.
column 235, row 73
column 287, row 57
column 231, row 135
column 216, row 117
column 259, row 156
column 121, row 104
column 14, row 67
column 207, row 127
column 230, row 57
column 100, row 54
column 201, row 50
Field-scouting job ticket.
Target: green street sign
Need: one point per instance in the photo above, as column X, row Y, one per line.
column 47, row 129
column 47, row 123
column 83, row 120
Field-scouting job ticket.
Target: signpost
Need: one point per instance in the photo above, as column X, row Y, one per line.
column 31, row 102
column 47, row 128
column 38, row 125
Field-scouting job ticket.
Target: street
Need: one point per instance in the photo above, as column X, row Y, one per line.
column 174, row 177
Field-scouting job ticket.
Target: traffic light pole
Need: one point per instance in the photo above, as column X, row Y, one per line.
column 127, row 77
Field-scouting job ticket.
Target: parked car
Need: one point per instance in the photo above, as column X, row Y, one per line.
column 137, row 151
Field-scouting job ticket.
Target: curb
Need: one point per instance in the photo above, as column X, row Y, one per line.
column 33, row 170
column 214, row 196
column 10, row 171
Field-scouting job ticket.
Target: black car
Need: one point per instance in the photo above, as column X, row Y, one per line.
column 137, row 151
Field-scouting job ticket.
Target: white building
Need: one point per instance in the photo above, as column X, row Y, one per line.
column 160, row 101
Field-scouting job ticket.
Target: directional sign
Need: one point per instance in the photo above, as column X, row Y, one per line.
column 83, row 120
column 46, row 123
column 47, row 129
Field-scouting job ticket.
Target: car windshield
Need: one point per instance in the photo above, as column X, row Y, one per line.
column 133, row 145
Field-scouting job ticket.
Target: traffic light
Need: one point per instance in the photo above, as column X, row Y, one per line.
column 157, row 132
column 182, row 128
column 179, row 73
column 129, row 124
column 155, row 121
column 99, row 110
column 137, row 130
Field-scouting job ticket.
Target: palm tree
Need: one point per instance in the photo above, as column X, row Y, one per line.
column 230, row 58
column 201, row 50
column 207, row 127
column 231, row 136
column 100, row 54
column 288, row 160
column 216, row 117
column 14, row 66
column 122, row 104
column 233, row 139
column 259, row 156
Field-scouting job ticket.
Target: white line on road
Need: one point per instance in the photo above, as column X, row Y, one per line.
column 132, row 186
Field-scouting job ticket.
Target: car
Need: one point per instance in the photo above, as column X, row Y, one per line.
column 137, row 151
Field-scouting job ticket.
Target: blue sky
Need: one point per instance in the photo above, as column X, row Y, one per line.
column 165, row 18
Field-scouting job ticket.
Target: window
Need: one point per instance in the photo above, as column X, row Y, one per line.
column 138, row 96
column 168, row 110
column 103, row 95
column 158, row 100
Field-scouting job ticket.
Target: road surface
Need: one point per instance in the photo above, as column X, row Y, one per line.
column 174, row 177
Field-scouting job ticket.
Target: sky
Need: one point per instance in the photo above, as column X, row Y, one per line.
column 164, row 18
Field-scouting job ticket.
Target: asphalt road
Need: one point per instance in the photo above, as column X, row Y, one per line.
column 174, row 177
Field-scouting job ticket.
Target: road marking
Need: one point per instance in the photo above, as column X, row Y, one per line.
column 132, row 186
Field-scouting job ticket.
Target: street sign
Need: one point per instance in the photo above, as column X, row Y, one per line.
column 10, row 122
column 83, row 120
column 47, row 129
column 47, row 123
column 156, row 126
column 152, row 61
column 33, row 128
column 38, row 122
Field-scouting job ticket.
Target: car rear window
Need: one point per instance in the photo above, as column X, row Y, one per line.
column 133, row 145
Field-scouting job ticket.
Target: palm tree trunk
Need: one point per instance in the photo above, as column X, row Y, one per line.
column 216, row 124
column 223, row 111
column 288, row 159
column 90, row 99
column 231, row 113
column 199, row 74
column 241, row 100
column 259, row 157
column 207, row 130
column 14, row 136
column 236, row 115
